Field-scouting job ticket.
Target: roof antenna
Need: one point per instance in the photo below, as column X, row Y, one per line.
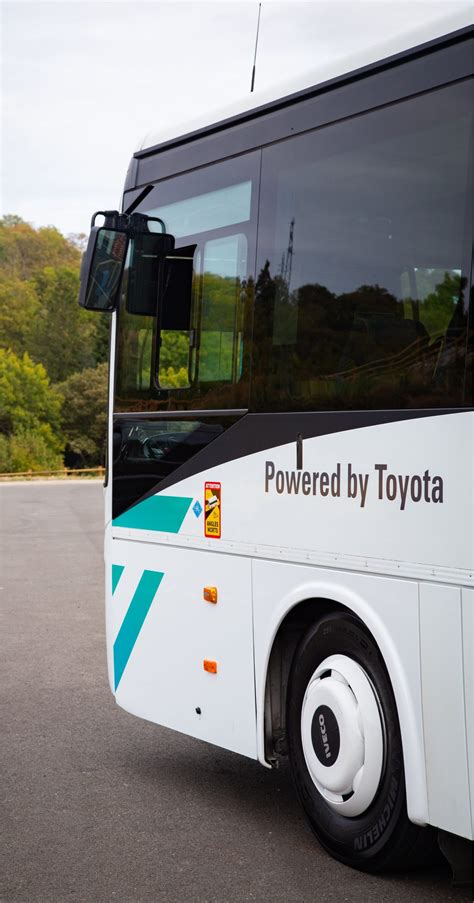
column 252, row 85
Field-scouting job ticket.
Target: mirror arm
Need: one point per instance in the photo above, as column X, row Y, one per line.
column 138, row 222
column 157, row 219
column 141, row 197
column 118, row 222
column 130, row 223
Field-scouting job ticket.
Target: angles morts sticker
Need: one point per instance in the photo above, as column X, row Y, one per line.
column 212, row 510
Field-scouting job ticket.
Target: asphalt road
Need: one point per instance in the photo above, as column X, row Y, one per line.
column 100, row 806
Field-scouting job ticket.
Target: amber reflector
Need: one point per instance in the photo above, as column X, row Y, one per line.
column 210, row 666
column 210, row 593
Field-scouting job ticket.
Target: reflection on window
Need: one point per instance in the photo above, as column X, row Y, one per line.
column 360, row 297
column 135, row 343
column 147, row 451
column 106, row 269
column 431, row 296
column 222, row 309
column 173, row 372
column 176, row 337
column 203, row 212
column 211, row 351
column 197, row 351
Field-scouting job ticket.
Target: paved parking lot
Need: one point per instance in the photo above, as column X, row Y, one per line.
column 100, row 806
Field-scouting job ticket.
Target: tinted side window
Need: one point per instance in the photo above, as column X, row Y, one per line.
column 204, row 363
column 363, row 256
column 147, row 450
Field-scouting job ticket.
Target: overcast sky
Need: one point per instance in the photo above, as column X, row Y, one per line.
column 84, row 81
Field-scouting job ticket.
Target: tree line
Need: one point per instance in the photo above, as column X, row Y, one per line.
column 53, row 354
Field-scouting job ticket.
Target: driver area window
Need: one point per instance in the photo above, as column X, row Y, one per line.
column 200, row 357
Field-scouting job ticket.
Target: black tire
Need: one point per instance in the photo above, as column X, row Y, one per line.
column 382, row 837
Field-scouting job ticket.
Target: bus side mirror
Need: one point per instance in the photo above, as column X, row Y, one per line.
column 101, row 268
column 104, row 261
column 148, row 251
column 176, row 290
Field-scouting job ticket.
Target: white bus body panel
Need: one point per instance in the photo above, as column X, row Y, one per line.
column 164, row 680
column 468, row 656
column 444, row 708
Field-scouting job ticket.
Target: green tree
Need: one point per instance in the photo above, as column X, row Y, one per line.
column 18, row 308
column 63, row 334
column 39, row 284
column 32, row 450
column 437, row 308
column 101, row 325
column 85, row 415
column 25, row 251
column 172, row 378
column 174, row 349
column 42, row 325
column 30, row 415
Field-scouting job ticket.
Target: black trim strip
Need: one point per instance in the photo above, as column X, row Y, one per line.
column 178, row 415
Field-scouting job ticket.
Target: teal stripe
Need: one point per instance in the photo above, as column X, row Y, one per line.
column 158, row 512
column 117, row 571
column 133, row 620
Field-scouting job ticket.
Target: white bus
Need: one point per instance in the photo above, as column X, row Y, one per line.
column 289, row 502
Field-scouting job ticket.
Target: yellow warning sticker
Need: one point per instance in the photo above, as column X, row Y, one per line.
column 212, row 510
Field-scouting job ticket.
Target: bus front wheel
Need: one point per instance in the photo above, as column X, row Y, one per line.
column 345, row 748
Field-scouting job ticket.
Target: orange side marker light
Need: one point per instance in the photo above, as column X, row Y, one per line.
column 210, row 666
column 209, row 593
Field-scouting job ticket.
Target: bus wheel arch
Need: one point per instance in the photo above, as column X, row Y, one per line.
column 293, row 625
